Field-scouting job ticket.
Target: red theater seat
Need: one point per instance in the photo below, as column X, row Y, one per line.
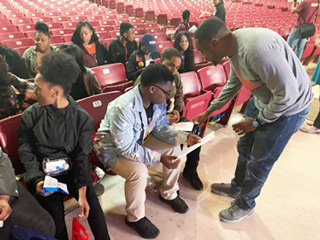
column 163, row 46
column 97, row 105
column 8, row 29
column 15, row 43
column 110, row 74
column 212, row 77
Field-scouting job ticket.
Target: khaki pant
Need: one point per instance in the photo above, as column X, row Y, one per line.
column 136, row 174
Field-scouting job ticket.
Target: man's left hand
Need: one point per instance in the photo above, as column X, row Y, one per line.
column 244, row 126
column 193, row 139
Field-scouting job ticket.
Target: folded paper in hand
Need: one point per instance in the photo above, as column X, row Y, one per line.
column 52, row 185
column 193, row 29
column 204, row 140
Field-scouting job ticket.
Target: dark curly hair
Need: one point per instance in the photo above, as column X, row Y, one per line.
column 188, row 54
column 76, row 39
column 59, row 68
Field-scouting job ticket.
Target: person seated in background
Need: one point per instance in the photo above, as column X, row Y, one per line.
column 15, row 62
column 184, row 25
column 15, row 94
column 32, row 56
column 171, row 58
column 95, row 52
column 69, row 140
column 135, row 132
column 124, row 45
column 18, row 206
column 86, row 84
column 184, row 45
column 147, row 53
column 219, row 10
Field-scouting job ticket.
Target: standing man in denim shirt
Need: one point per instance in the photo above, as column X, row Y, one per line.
column 135, row 132
column 263, row 63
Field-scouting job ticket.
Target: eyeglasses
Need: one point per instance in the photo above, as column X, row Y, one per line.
column 164, row 91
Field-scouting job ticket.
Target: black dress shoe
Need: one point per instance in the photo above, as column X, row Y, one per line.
column 177, row 204
column 194, row 180
column 144, row 227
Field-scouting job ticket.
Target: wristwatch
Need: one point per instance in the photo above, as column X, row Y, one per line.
column 255, row 123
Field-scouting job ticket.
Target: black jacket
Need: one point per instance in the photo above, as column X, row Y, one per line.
column 102, row 55
column 137, row 62
column 46, row 131
column 220, row 12
column 15, row 62
column 118, row 51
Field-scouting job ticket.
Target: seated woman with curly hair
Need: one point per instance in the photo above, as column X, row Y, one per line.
column 184, row 45
column 15, row 94
column 58, row 129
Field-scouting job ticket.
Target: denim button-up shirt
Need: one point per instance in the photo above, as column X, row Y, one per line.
column 125, row 122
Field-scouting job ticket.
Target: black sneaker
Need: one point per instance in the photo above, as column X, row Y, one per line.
column 177, row 204
column 144, row 227
column 194, row 180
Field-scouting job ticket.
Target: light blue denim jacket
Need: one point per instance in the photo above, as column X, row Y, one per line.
column 124, row 124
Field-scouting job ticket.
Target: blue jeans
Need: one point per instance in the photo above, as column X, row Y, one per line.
column 258, row 151
column 294, row 40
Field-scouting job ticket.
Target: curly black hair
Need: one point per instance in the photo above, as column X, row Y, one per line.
column 59, row 68
column 188, row 54
column 76, row 39
column 155, row 73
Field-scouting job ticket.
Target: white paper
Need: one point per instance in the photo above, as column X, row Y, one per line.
column 193, row 29
column 204, row 140
column 183, row 126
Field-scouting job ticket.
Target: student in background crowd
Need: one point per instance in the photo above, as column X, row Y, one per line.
column 32, row 56
column 219, row 10
column 264, row 64
column 15, row 62
column 184, row 25
column 135, row 132
column 18, row 206
column 184, row 45
column 171, row 58
column 95, row 52
column 70, row 139
column 147, row 53
column 124, row 45
column 15, row 94
column 86, row 84
column 314, row 127
column 306, row 12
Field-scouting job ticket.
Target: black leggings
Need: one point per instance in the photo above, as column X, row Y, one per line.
column 54, row 205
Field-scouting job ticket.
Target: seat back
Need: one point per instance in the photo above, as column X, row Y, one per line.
column 191, row 84
column 9, row 140
column 242, row 96
column 96, row 105
column 8, row 29
column 15, row 43
column 163, row 46
column 110, row 74
column 212, row 77
column 196, row 105
column 198, row 58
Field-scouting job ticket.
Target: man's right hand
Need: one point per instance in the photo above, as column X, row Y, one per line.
column 201, row 118
column 39, row 189
column 5, row 209
column 171, row 162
